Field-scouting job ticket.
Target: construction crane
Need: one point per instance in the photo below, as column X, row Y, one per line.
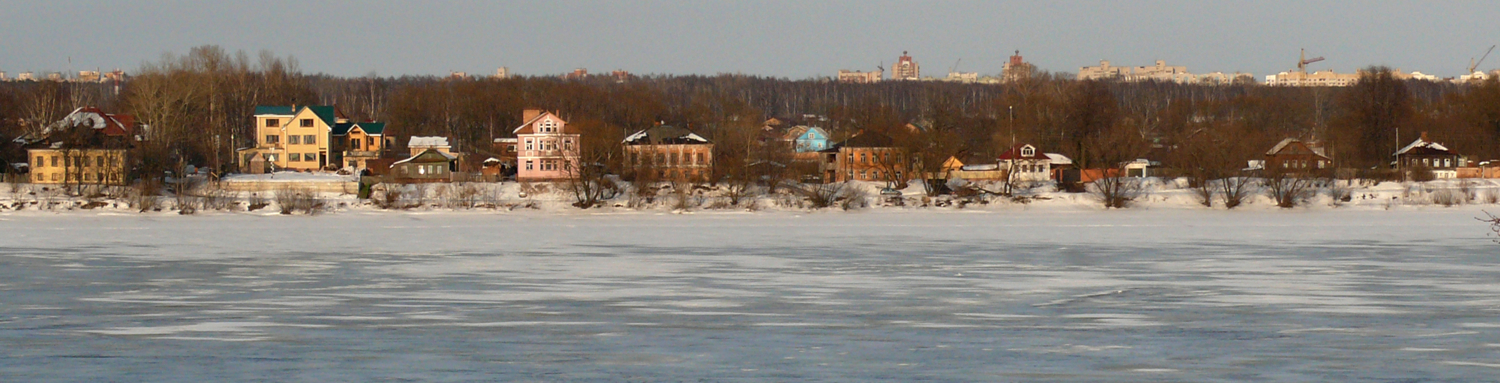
column 1473, row 65
column 954, row 69
column 1302, row 61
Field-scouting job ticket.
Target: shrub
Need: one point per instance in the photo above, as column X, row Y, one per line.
column 1447, row 197
column 293, row 199
column 1117, row 192
column 820, row 196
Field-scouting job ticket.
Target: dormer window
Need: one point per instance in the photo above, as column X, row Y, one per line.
column 1028, row 151
column 547, row 126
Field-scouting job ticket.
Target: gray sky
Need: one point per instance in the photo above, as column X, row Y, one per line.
column 791, row 38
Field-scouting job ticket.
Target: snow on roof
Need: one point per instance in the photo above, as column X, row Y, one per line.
column 1315, row 147
column 1420, row 143
column 636, row 136
column 512, row 139
column 427, row 142
column 445, row 155
column 1059, row 159
column 696, row 137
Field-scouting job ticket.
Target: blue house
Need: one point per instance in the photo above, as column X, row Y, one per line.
column 806, row 139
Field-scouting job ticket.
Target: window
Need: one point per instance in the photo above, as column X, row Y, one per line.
column 661, row 158
column 41, row 161
column 307, row 122
column 294, row 139
column 309, row 139
column 528, row 144
column 353, row 163
column 510, row 148
column 67, row 161
column 272, row 123
column 700, row 159
column 79, row 161
column 99, row 161
column 568, row 144
column 294, row 157
column 272, row 139
column 674, row 158
column 421, row 169
column 99, row 177
column 41, row 177
column 528, row 165
column 1028, row 151
column 54, row 177
column 370, row 142
column 88, row 177
column 354, row 143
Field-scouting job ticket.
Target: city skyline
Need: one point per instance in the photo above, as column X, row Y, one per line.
column 773, row 39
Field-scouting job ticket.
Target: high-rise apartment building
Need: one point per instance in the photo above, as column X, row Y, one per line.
column 905, row 68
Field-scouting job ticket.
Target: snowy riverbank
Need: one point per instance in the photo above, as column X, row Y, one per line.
column 482, row 198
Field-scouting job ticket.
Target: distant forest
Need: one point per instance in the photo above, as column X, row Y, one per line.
column 199, row 107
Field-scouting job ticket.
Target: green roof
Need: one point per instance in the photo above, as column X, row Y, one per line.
column 370, row 128
column 327, row 113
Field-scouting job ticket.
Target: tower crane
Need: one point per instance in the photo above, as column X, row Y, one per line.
column 1473, row 65
column 1302, row 61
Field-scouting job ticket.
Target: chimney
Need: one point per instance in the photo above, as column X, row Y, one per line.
column 1424, row 136
column 529, row 114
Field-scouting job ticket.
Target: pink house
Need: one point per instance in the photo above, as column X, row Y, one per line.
column 546, row 147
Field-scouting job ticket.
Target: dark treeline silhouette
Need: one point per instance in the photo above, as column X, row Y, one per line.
column 199, row 107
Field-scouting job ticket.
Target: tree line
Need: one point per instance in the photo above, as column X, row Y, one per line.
column 199, row 108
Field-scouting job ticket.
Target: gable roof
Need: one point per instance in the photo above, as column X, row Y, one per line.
column 665, row 135
column 1422, row 146
column 427, row 142
column 370, row 128
column 114, row 125
column 529, row 128
column 429, row 155
column 865, row 140
column 797, row 132
column 1294, row 144
column 328, row 114
column 1015, row 152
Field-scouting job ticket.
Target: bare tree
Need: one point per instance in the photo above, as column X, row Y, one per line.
column 589, row 179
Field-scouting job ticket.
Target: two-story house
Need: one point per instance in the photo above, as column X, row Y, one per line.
column 667, row 152
column 88, row 146
column 868, row 156
column 292, row 138
column 548, row 148
column 1024, row 163
column 1425, row 154
column 360, row 142
column 1298, row 156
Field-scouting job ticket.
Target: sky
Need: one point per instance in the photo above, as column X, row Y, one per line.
column 776, row 38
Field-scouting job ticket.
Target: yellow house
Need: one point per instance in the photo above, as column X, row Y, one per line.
column 361, row 142
column 77, row 166
column 292, row 138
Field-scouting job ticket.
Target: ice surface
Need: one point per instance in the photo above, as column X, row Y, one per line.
column 1021, row 295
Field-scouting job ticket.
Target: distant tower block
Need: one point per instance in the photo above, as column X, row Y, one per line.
column 905, row 68
column 502, row 73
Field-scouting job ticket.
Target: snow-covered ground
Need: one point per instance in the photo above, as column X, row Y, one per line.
column 1019, row 293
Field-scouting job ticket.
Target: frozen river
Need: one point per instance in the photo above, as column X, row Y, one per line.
column 1166, row 295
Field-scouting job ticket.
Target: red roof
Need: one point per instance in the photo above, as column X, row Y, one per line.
column 1015, row 153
